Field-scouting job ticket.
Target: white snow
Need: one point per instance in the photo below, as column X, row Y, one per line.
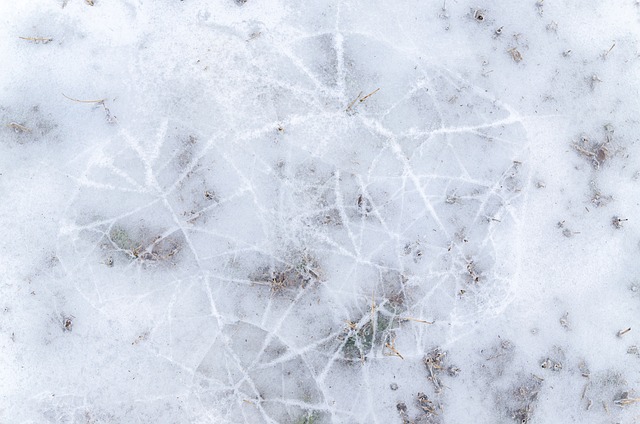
column 338, row 211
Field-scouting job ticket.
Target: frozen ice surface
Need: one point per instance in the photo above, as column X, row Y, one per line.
column 348, row 211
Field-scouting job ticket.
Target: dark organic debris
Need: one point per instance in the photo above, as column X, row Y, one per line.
column 616, row 221
column 595, row 152
column 435, row 363
column 625, row 399
column 551, row 364
column 67, row 323
column 425, row 404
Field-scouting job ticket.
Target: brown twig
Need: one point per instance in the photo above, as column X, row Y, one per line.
column 391, row 346
column 623, row 332
column 369, row 95
column 416, row 320
column 353, row 102
column 38, row 40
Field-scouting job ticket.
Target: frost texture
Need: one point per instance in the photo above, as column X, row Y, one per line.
column 400, row 214
column 294, row 219
column 401, row 222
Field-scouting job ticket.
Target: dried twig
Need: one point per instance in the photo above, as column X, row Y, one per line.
column 624, row 400
column 583, row 151
column 110, row 118
column 623, row 332
column 18, row 127
column 38, row 40
column 392, row 347
column 360, row 99
column 605, row 54
column 416, row 320
column 353, row 102
column 425, row 404
column 369, row 95
column 434, row 361
column 84, row 101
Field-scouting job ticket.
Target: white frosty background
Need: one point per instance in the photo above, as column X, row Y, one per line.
column 241, row 229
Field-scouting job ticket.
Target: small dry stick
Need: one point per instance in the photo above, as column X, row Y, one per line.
column 353, row 102
column 37, row 40
column 583, row 151
column 369, row 95
column 626, row 401
column 392, row 348
column 417, row 320
column 623, row 332
column 609, row 51
column 110, row 118
column 18, row 128
column 495, row 356
column 83, row 101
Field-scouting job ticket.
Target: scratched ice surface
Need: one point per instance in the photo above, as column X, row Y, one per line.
column 318, row 212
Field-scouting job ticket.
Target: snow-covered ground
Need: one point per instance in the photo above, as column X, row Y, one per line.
column 345, row 211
